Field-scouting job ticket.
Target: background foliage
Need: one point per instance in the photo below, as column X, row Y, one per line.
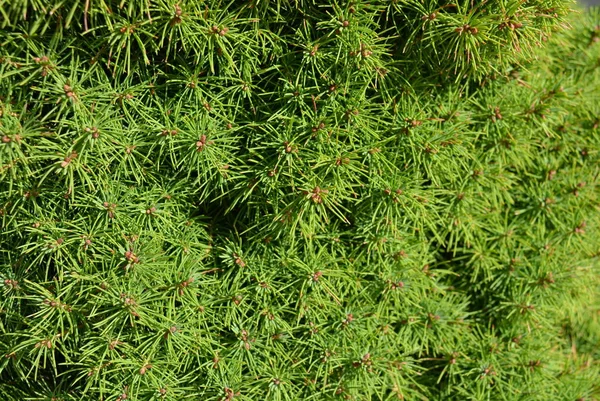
column 299, row 200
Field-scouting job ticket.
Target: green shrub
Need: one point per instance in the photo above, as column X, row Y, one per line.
column 299, row 200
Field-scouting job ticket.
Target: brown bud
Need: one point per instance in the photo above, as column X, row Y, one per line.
column 316, row 276
column 144, row 369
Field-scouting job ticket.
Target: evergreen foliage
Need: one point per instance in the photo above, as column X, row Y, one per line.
column 299, row 200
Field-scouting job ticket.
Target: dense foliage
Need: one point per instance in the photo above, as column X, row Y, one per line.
column 299, row 200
